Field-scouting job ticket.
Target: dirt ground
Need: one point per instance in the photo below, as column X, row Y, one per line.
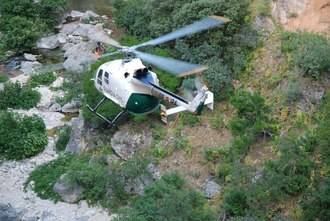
column 315, row 18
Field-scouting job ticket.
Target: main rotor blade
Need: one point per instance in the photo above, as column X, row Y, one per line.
column 114, row 43
column 204, row 24
column 109, row 54
column 173, row 66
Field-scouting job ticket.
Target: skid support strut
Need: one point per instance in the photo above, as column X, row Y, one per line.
column 111, row 122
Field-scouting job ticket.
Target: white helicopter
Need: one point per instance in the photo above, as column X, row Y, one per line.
column 135, row 88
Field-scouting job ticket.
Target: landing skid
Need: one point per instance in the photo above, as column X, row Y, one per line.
column 111, row 122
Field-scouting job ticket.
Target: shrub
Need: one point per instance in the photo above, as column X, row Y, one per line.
column 63, row 138
column 21, row 136
column 42, row 79
column 23, row 22
column 168, row 199
column 235, row 202
column 293, row 92
column 316, row 203
column 16, row 96
column 310, row 52
column 219, row 79
column 3, row 78
column 263, row 7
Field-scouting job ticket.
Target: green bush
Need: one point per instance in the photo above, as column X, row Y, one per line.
column 317, row 202
column 15, row 96
column 42, row 79
column 235, row 202
column 23, row 22
column 263, row 7
column 63, row 138
column 293, row 92
column 3, row 78
column 168, row 199
column 21, row 136
column 310, row 52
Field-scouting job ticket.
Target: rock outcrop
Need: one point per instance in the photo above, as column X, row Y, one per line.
column 77, row 142
column 70, row 192
column 126, row 142
column 210, row 188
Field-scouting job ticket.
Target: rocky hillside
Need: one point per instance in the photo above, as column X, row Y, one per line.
column 262, row 154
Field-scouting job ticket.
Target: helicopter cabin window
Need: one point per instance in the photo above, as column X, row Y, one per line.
column 99, row 77
column 106, row 77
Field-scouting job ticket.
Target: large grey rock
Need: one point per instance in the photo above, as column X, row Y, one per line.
column 76, row 142
column 30, row 57
column 126, row 142
column 89, row 15
column 8, row 213
column 56, row 107
column 30, row 67
column 210, row 188
column 69, row 192
column 138, row 185
column 72, row 107
column 79, row 57
column 50, row 42
column 2, row 86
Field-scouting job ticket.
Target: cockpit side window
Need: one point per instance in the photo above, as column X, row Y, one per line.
column 99, row 77
column 106, row 77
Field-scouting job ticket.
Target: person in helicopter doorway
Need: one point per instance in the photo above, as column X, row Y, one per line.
column 99, row 50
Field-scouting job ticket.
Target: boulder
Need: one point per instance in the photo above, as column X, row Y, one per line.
column 55, row 108
column 138, row 185
column 69, row 192
column 58, row 82
column 79, row 57
column 30, row 67
column 76, row 142
column 76, row 14
column 22, row 79
column 72, row 107
column 126, row 142
column 8, row 213
column 30, row 57
column 210, row 188
column 50, row 42
column 2, row 86
column 154, row 171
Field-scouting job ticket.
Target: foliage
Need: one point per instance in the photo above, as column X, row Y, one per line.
column 63, row 138
column 21, row 33
column 16, row 96
column 310, row 52
column 92, row 96
column 316, row 204
column 23, row 22
column 235, row 202
column 293, row 92
column 103, row 183
column 219, row 79
column 21, row 136
column 42, row 79
column 45, row 177
column 3, row 78
column 263, row 7
column 168, row 199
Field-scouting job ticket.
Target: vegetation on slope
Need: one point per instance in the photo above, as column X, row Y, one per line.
column 21, row 136
column 16, row 96
column 23, row 22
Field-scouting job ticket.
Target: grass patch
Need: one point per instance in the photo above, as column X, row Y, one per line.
column 3, row 78
column 42, row 79
column 63, row 139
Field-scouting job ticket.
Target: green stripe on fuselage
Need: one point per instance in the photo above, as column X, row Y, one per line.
column 142, row 103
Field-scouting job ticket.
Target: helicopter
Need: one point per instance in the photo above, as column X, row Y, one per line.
column 135, row 87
